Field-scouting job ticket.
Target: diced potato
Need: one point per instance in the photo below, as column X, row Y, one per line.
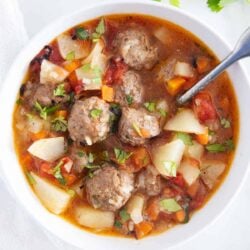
column 49, row 149
column 162, row 34
column 89, row 79
column 167, row 158
column 93, row 218
column 185, row 121
column 194, row 151
column 183, row 69
column 55, row 199
column 97, row 58
column 211, row 170
column 190, row 171
column 135, row 207
column 67, row 45
column 52, row 73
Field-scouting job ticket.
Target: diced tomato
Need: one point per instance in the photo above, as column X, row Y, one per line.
column 67, row 164
column 153, row 209
column 45, row 170
column 178, row 180
column 70, row 179
column 55, row 56
column 76, row 85
column 115, row 71
column 204, row 108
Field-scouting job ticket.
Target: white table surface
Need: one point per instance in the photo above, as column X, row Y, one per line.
column 18, row 231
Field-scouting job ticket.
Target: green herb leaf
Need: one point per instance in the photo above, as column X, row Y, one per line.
column 70, row 56
column 99, row 31
column 19, row 101
column 95, row 113
column 214, row 5
column 81, row 153
column 228, row 145
column 170, row 205
column 30, row 117
column 137, row 129
column 125, row 216
column 45, row 111
column 82, row 33
column 121, row 156
column 186, row 138
column 129, row 99
column 58, row 174
column 91, row 158
column 59, row 90
column 225, row 123
column 118, row 224
column 175, row 3
column 30, row 178
column 162, row 112
column 150, row 106
column 170, row 167
column 59, row 124
column 86, row 67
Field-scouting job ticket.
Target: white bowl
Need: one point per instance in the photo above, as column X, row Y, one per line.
column 13, row 173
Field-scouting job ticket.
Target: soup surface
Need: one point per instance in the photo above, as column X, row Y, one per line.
column 99, row 134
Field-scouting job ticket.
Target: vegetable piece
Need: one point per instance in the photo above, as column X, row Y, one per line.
column 174, row 85
column 162, row 34
column 203, row 138
column 72, row 49
column 150, row 106
column 95, row 113
column 183, row 69
column 225, row 123
column 186, row 138
column 190, row 171
column 135, row 207
column 215, row 5
column 182, row 216
column 121, row 156
column 45, row 111
column 52, row 73
column 97, row 59
column 108, row 93
column 170, row 205
column 59, row 124
column 82, row 33
column 153, row 210
column 70, row 66
column 49, row 149
column 62, row 113
column 125, row 216
column 55, row 199
column 99, row 31
column 60, row 90
column 93, row 218
column 228, row 145
column 194, row 151
column 185, row 121
column 58, row 173
column 211, row 170
column 204, row 108
column 167, row 158
column 78, row 187
column 203, row 64
column 129, row 99
column 30, row 179
column 142, row 229
column 40, row 135
column 35, row 124
column 140, row 158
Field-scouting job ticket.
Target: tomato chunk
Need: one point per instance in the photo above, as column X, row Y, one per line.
column 204, row 108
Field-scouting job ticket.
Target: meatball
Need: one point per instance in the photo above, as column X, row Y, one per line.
column 136, row 49
column 130, row 91
column 109, row 188
column 89, row 121
column 149, row 180
column 41, row 93
column 137, row 126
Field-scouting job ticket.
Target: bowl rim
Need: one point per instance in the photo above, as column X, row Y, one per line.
column 52, row 28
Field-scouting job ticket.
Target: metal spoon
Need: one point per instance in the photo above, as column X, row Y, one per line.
column 241, row 50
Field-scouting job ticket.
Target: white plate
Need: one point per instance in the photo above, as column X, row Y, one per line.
column 73, row 235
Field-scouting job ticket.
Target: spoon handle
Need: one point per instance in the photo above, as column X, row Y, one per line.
column 242, row 49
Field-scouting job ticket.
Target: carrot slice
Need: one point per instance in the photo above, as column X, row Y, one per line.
column 175, row 84
column 203, row 138
column 62, row 113
column 153, row 210
column 107, row 93
column 142, row 229
column 203, row 64
column 145, row 133
column 70, row 66
column 40, row 135
column 140, row 158
column 180, row 216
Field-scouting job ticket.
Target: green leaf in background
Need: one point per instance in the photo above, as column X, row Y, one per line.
column 214, row 5
column 175, row 3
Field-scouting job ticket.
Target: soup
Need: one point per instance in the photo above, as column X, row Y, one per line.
column 100, row 137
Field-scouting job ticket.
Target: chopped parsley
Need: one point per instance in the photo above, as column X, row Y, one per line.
column 95, row 113
column 137, row 129
column 186, row 138
column 30, row 178
column 58, row 173
column 59, row 124
column 162, row 112
column 70, row 56
column 228, row 145
column 81, row 153
column 86, row 67
column 82, row 33
column 118, row 224
column 30, row 117
column 129, row 99
column 170, row 167
column 150, row 106
column 225, row 123
column 45, row 111
column 99, row 31
column 60, row 90
column 125, row 216
column 170, row 205
column 121, row 155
